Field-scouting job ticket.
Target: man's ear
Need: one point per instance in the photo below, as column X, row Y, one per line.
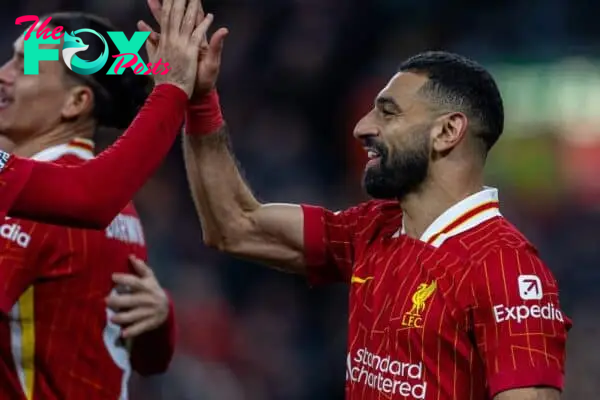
column 448, row 131
column 79, row 101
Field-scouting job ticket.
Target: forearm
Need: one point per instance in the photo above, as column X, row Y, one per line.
column 233, row 220
column 92, row 194
column 529, row 394
column 223, row 200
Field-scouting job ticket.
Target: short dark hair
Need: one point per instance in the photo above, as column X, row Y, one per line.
column 464, row 85
column 118, row 98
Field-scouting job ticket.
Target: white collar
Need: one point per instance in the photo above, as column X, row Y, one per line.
column 82, row 148
column 461, row 217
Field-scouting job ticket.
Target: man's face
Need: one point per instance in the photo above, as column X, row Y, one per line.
column 30, row 104
column 396, row 135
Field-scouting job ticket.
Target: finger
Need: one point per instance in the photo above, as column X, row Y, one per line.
column 176, row 17
column 189, row 21
column 139, row 266
column 201, row 29
column 131, row 316
column 127, row 301
column 138, row 328
column 215, row 47
column 144, row 27
column 151, row 49
column 200, row 15
column 155, row 9
column 199, row 18
column 134, row 282
column 165, row 16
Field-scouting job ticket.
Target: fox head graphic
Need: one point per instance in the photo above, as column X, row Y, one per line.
column 73, row 45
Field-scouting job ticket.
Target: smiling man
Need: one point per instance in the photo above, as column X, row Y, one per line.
column 448, row 300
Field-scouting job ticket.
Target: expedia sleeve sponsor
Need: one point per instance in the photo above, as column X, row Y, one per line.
column 521, row 313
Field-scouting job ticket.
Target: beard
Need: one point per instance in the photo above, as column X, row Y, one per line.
column 398, row 174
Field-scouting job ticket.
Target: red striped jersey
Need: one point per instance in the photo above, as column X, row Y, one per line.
column 466, row 311
column 56, row 340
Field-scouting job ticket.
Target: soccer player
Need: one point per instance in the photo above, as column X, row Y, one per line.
column 448, row 300
column 93, row 193
column 58, row 337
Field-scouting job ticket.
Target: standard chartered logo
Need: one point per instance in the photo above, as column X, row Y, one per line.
column 520, row 313
column 386, row 374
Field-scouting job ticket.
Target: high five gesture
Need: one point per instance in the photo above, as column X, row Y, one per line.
column 207, row 58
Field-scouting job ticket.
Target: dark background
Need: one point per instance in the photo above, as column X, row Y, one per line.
column 297, row 76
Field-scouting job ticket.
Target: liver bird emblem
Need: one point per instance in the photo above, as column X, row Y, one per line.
column 420, row 297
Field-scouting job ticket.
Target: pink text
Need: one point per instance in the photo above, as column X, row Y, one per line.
column 158, row 69
column 43, row 29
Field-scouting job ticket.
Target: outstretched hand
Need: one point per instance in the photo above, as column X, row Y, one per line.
column 182, row 32
column 209, row 51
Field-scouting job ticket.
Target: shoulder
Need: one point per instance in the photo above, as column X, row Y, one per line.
column 373, row 209
column 490, row 239
column 510, row 257
column 70, row 159
column 507, row 240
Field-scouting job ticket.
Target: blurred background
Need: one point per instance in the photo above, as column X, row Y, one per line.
column 297, row 76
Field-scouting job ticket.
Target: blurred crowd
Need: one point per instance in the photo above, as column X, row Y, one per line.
column 297, row 76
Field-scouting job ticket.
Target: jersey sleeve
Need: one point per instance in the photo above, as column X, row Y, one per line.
column 20, row 243
column 329, row 243
column 152, row 352
column 93, row 193
column 519, row 326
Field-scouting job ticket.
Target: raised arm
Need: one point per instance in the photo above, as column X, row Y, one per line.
column 232, row 219
column 91, row 195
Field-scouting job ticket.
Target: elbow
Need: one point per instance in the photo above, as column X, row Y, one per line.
column 230, row 238
column 221, row 243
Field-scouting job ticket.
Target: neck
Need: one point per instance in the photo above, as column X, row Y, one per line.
column 60, row 135
column 422, row 208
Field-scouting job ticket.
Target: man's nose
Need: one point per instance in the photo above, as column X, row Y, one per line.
column 366, row 127
column 7, row 73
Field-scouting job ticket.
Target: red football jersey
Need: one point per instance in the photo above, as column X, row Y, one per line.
column 464, row 312
column 56, row 340
column 12, row 180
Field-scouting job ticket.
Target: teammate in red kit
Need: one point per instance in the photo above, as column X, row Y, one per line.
column 66, row 326
column 58, row 337
column 94, row 192
column 447, row 299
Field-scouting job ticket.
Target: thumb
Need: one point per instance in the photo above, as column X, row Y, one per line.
column 215, row 47
column 142, row 269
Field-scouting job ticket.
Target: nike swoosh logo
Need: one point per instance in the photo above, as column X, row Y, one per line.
column 356, row 279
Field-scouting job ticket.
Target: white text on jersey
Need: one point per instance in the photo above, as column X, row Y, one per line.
column 13, row 233
column 126, row 228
